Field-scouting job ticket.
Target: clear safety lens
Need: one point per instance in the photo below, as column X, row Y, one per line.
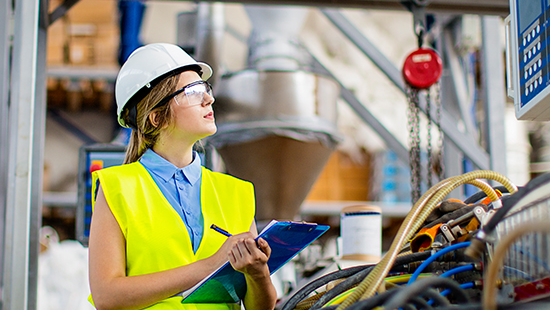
column 194, row 94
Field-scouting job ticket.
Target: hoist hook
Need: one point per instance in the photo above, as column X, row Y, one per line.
column 418, row 8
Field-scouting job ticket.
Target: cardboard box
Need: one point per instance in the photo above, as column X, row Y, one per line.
column 343, row 179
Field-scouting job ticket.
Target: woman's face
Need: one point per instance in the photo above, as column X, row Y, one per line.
column 193, row 118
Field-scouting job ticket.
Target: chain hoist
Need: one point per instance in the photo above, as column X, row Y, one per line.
column 421, row 70
column 414, row 143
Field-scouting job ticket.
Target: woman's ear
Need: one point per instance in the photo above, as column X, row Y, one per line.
column 153, row 118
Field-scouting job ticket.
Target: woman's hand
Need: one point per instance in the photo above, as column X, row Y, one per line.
column 250, row 257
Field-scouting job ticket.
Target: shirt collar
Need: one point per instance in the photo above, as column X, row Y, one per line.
column 166, row 170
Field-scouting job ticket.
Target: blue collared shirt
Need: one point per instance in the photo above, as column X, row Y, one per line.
column 182, row 189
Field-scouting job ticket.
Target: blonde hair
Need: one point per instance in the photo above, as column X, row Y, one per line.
column 147, row 133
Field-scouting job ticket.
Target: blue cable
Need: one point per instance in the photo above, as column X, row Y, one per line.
column 434, row 257
column 463, row 285
column 456, row 270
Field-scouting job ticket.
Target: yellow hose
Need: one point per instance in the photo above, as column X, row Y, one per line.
column 485, row 187
column 307, row 303
column 420, row 211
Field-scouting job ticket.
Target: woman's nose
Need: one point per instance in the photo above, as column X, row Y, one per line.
column 208, row 100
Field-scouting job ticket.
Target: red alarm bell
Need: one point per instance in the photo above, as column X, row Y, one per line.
column 422, row 68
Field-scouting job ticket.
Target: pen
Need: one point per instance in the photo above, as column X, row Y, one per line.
column 220, row 230
column 227, row 234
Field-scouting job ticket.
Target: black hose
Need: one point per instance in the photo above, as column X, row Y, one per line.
column 313, row 285
column 357, row 278
column 420, row 303
column 374, row 301
column 419, row 287
column 378, row 300
column 513, row 306
column 340, row 288
column 439, row 299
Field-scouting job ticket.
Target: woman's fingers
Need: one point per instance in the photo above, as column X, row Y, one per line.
column 264, row 247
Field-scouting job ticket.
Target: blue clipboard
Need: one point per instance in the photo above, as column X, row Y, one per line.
column 227, row 285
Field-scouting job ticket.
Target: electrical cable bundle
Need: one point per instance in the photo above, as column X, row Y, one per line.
column 420, row 211
column 370, row 286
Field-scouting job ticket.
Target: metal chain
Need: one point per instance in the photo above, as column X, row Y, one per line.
column 440, row 160
column 429, row 166
column 414, row 143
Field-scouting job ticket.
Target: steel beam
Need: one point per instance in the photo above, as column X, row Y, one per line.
column 364, row 44
column 465, row 143
column 61, row 10
column 494, row 96
column 6, row 15
column 37, row 158
column 486, row 7
column 21, row 189
column 388, row 138
column 70, row 126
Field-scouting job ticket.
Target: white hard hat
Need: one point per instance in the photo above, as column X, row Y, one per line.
column 147, row 66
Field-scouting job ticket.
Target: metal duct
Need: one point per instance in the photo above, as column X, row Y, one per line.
column 200, row 33
column 210, row 31
column 273, row 43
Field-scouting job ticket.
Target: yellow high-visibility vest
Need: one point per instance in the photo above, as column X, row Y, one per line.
column 156, row 237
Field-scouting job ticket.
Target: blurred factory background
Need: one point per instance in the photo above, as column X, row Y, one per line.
column 307, row 102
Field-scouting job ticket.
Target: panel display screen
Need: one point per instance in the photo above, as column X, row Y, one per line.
column 528, row 11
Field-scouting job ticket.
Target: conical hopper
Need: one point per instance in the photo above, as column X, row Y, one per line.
column 282, row 169
column 277, row 130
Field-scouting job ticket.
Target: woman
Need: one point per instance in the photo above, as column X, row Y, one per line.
column 150, row 236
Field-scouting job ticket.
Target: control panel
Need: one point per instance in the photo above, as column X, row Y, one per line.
column 527, row 58
column 91, row 158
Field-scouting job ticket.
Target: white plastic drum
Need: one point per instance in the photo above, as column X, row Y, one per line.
column 361, row 233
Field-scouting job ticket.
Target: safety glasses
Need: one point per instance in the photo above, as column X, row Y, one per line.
column 189, row 95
